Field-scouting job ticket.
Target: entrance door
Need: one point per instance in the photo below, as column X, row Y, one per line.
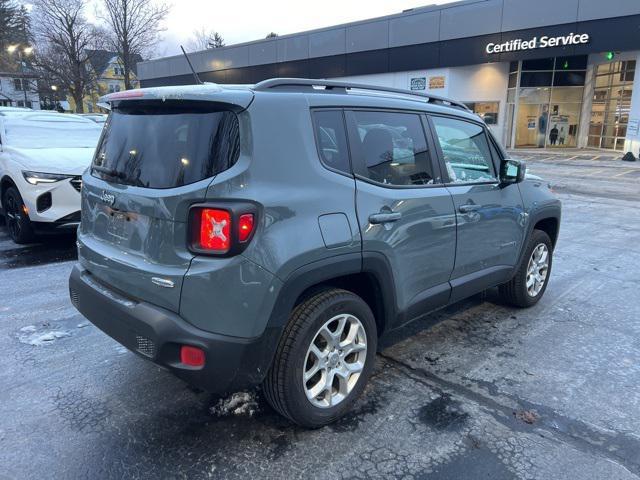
column 531, row 127
column 406, row 214
column 490, row 217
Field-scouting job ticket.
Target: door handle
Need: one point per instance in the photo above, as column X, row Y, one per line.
column 467, row 208
column 377, row 218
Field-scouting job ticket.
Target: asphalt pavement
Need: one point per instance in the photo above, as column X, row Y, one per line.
column 476, row 391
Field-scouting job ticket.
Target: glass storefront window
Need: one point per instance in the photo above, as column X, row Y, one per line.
column 611, row 104
column 567, row 94
column 538, row 64
column 549, row 102
column 488, row 111
column 569, row 79
column 536, row 79
column 534, row 95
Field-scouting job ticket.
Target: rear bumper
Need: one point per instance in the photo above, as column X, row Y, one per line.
column 157, row 334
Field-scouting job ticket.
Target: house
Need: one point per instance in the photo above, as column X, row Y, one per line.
column 108, row 70
column 15, row 87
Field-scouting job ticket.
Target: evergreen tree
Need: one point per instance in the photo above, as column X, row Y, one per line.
column 8, row 21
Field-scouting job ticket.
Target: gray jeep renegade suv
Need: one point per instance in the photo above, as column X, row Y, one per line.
column 270, row 234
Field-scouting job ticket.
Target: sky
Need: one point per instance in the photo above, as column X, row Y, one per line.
column 242, row 21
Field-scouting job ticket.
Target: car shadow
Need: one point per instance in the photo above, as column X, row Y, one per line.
column 46, row 250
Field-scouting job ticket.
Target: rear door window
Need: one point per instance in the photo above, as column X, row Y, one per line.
column 166, row 145
column 390, row 148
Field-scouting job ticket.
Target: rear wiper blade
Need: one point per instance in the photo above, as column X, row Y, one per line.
column 108, row 171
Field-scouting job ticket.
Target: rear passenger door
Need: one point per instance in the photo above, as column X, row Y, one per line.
column 406, row 214
column 489, row 215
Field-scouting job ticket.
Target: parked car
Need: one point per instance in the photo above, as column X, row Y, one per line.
column 96, row 117
column 236, row 250
column 42, row 157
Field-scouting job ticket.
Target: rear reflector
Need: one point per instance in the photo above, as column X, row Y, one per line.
column 245, row 226
column 192, row 356
column 215, row 230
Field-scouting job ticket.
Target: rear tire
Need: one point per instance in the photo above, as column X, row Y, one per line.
column 328, row 347
column 16, row 219
column 529, row 283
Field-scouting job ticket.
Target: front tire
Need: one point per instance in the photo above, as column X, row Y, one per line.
column 16, row 217
column 529, row 283
column 324, row 359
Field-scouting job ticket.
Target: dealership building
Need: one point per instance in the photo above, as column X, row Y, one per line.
column 543, row 73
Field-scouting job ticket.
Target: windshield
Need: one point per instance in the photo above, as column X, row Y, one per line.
column 165, row 146
column 51, row 131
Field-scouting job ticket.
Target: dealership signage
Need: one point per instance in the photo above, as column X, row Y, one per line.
column 419, row 83
column 544, row 41
column 436, row 82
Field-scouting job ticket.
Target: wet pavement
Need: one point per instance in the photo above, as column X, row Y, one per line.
column 478, row 390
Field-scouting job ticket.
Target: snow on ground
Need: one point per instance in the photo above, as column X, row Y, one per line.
column 240, row 403
column 32, row 336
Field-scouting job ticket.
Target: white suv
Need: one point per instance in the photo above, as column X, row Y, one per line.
column 42, row 157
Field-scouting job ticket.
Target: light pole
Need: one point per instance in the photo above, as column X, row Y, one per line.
column 26, row 50
column 54, row 89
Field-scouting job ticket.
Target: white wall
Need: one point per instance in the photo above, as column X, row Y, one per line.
column 477, row 83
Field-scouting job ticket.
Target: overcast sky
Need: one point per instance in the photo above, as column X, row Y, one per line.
column 242, row 21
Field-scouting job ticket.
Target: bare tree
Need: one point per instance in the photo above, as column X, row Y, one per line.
column 63, row 37
column 135, row 26
column 205, row 39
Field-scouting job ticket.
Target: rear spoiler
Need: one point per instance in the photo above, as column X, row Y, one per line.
column 241, row 98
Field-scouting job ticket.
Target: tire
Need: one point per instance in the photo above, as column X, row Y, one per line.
column 516, row 292
column 285, row 387
column 16, row 220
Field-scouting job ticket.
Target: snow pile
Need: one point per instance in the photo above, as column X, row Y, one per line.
column 31, row 336
column 239, row 404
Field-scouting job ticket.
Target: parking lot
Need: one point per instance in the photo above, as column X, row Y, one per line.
column 478, row 390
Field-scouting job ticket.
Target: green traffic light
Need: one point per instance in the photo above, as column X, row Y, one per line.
column 609, row 55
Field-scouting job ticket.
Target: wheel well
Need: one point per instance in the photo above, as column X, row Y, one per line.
column 550, row 227
column 365, row 285
column 5, row 183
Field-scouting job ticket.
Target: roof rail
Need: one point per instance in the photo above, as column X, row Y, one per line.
column 274, row 83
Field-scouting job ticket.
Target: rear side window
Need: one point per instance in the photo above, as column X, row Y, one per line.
column 332, row 139
column 165, row 146
column 390, row 148
column 465, row 149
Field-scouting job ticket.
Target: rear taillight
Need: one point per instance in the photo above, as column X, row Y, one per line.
column 215, row 230
column 245, row 226
column 221, row 230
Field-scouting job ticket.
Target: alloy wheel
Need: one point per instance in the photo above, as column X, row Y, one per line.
column 537, row 269
column 13, row 216
column 334, row 361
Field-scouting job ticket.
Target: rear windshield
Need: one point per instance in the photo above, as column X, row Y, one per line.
column 165, row 146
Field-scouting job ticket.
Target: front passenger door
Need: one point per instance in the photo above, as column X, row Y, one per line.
column 490, row 216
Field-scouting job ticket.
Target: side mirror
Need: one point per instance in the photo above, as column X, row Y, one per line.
column 512, row 171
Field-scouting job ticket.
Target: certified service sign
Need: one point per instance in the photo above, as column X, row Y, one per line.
column 519, row 44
